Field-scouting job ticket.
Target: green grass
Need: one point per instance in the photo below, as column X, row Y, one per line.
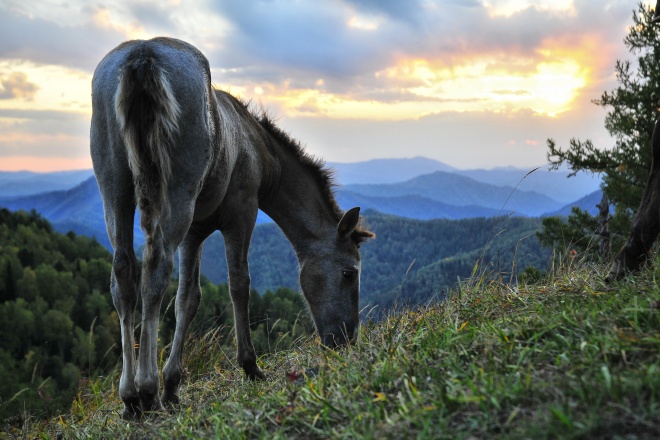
column 567, row 357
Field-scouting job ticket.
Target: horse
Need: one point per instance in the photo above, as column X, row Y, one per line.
column 193, row 159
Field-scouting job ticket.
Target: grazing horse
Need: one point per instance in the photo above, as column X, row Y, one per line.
column 194, row 160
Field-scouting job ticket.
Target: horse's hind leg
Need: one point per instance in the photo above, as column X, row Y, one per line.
column 158, row 262
column 187, row 302
column 119, row 207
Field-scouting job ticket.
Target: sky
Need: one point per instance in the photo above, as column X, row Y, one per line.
column 471, row 83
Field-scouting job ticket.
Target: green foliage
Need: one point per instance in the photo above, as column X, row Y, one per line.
column 576, row 233
column 633, row 110
column 414, row 261
column 59, row 328
column 567, row 357
column 50, row 295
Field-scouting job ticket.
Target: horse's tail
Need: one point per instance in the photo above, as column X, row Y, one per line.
column 148, row 116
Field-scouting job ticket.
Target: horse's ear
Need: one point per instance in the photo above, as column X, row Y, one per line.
column 348, row 223
column 349, row 227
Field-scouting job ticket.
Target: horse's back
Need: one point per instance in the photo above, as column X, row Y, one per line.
column 186, row 67
column 186, row 63
column 187, row 74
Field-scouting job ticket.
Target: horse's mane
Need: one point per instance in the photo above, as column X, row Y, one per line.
column 323, row 175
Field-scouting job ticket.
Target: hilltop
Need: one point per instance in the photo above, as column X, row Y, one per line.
column 566, row 356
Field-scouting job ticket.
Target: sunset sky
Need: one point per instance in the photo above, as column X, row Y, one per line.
column 472, row 83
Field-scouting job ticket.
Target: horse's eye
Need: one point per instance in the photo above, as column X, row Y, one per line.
column 349, row 275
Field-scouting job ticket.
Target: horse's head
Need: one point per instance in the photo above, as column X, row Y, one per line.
column 330, row 280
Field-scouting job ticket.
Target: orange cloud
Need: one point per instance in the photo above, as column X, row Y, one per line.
column 16, row 85
column 103, row 19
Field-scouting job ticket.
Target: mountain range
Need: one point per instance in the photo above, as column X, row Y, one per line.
column 555, row 184
column 25, row 183
column 442, row 193
column 457, row 190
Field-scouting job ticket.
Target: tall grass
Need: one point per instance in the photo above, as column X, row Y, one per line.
column 567, row 356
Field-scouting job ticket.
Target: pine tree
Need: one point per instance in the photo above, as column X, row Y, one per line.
column 634, row 108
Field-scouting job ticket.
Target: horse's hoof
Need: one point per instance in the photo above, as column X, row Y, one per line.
column 132, row 409
column 254, row 374
column 170, row 400
column 151, row 405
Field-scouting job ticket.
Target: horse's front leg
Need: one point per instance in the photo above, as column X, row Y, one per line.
column 237, row 241
column 187, row 303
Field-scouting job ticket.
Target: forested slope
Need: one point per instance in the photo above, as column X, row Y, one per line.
column 410, row 260
column 56, row 318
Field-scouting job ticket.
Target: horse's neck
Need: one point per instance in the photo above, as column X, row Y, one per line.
column 299, row 207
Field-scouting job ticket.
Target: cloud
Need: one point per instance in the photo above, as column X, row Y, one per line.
column 43, row 133
column 44, row 41
column 284, row 47
column 409, row 10
column 16, row 85
column 293, row 40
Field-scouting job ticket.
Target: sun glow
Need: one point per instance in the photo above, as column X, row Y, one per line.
column 547, row 82
column 549, row 90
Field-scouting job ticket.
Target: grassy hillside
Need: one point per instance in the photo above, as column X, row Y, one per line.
column 567, row 357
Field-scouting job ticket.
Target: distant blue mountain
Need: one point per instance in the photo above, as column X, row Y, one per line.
column 587, row 203
column 386, row 170
column 444, row 193
column 23, row 183
column 457, row 190
column 555, row 184
column 412, row 206
column 78, row 209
